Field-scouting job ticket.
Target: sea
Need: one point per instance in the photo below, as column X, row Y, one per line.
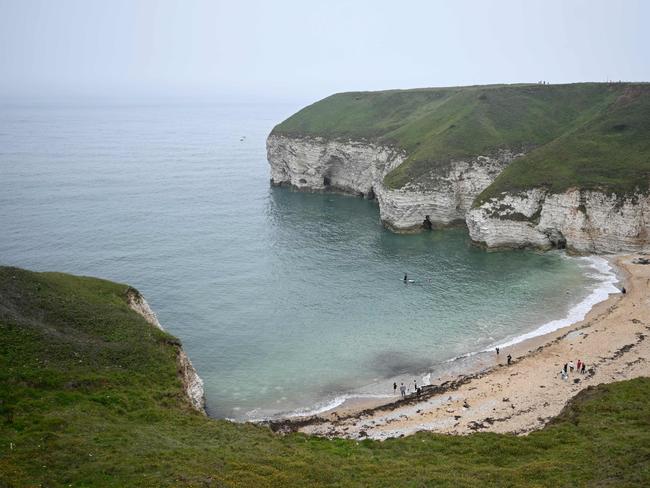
column 287, row 303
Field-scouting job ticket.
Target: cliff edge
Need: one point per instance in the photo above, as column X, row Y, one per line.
column 192, row 382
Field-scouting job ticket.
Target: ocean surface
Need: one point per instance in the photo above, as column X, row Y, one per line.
column 286, row 302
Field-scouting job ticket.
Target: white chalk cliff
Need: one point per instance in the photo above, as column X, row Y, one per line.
column 192, row 382
column 445, row 194
column 319, row 164
column 359, row 167
column 580, row 220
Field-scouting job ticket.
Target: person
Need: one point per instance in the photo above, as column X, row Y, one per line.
column 566, row 365
column 497, row 351
column 623, row 290
column 578, row 365
column 402, row 390
column 564, row 375
column 583, row 368
column 406, row 277
column 571, row 367
column 394, row 388
column 509, row 358
column 415, row 384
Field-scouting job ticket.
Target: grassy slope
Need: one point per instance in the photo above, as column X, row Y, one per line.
column 90, row 397
column 571, row 126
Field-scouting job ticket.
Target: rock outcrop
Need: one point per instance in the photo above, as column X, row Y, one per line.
column 581, row 220
column 359, row 167
column 319, row 164
column 444, row 196
column 192, row 382
column 138, row 304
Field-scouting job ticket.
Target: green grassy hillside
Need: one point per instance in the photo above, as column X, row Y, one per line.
column 591, row 134
column 89, row 396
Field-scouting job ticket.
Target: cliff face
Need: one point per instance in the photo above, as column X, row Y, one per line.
column 359, row 167
column 192, row 382
column 580, row 220
column 445, row 195
column 318, row 164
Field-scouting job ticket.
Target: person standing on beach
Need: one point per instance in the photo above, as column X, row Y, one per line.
column 402, row 390
column 578, row 365
column 497, row 351
column 509, row 358
column 566, row 366
column 394, row 388
column 415, row 385
column 571, row 366
column 583, row 368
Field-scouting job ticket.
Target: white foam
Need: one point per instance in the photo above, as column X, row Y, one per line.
column 252, row 416
column 331, row 404
column 607, row 278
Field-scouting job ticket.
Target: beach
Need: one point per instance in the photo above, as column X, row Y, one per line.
column 520, row 397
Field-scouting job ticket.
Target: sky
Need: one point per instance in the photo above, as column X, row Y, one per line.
column 308, row 49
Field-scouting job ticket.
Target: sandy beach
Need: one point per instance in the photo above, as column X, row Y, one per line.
column 520, row 397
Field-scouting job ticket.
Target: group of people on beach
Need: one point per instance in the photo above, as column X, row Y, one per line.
column 403, row 389
column 581, row 368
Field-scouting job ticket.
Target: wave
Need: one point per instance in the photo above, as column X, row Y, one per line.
column 316, row 409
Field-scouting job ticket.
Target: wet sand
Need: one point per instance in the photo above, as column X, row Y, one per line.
column 521, row 397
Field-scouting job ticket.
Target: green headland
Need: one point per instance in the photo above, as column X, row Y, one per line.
column 90, row 396
column 583, row 135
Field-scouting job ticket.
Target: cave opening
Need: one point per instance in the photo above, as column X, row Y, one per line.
column 427, row 224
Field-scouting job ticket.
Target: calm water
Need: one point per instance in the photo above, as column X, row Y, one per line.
column 283, row 300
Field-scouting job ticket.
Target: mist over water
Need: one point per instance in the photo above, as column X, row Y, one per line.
column 283, row 300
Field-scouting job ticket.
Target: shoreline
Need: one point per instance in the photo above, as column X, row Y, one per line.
column 360, row 418
column 472, row 362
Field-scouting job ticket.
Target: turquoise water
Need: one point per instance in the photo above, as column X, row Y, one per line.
column 283, row 300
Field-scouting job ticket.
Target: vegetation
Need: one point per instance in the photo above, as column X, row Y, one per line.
column 90, row 397
column 592, row 135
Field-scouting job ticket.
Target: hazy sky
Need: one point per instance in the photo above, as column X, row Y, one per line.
column 310, row 49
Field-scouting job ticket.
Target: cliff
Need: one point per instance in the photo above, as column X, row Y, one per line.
column 359, row 168
column 521, row 165
column 581, row 220
column 192, row 382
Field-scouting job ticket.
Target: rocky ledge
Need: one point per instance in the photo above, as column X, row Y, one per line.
column 192, row 382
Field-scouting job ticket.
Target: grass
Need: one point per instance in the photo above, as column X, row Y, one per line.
column 90, row 397
column 583, row 134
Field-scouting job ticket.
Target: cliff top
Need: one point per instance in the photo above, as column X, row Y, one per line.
column 583, row 134
column 90, row 396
